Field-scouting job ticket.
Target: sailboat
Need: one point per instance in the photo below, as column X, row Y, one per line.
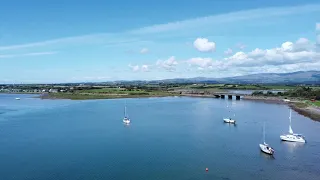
column 126, row 119
column 229, row 120
column 265, row 147
column 292, row 137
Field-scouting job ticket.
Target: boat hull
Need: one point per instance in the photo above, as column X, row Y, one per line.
column 126, row 121
column 266, row 149
column 292, row 138
column 231, row 121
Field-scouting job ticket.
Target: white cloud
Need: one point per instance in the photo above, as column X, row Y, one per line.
column 104, row 38
column 2, row 56
column 318, row 39
column 228, row 51
column 137, row 68
column 228, row 17
column 201, row 63
column 317, row 26
column 204, row 45
column 289, row 53
column 289, row 57
column 169, row 64
column 134, row 68
column 144, row 50
column 144, row 68
column 241, row 46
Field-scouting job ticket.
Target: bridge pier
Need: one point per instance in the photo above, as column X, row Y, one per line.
column 237, row 97
column 222, row 96
column 216, row 96
column 229, row 96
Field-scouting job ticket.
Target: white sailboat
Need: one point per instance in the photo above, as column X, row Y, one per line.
column 17, row 98
column 292, row 137
column 229, row 120
column 265, row 147
column 126, row 118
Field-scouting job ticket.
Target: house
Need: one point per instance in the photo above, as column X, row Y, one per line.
column 53, row 90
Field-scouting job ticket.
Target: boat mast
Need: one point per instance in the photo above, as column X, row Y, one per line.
column 264, row 133
column 125, row 109
column 290, row 129
column 290, row 117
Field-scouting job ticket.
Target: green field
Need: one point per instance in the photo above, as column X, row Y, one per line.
column 239, row 87
column 119, row 91
column 317, row 103
column 107, row 94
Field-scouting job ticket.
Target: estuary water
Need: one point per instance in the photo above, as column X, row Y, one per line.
column 169, row 138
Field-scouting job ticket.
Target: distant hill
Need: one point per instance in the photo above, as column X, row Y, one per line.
column 300, row 77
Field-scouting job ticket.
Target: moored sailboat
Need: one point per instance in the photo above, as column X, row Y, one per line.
column 229, row 120
column 292, row 137
column 266, row 148
column 126, row 118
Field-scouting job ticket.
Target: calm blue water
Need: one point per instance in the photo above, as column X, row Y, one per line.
column 169, row 139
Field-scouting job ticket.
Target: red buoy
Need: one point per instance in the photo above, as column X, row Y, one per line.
column 207, row 169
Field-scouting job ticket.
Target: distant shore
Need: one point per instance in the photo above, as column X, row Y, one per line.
column 99, row 96
column 298, row 105
column 20, row 93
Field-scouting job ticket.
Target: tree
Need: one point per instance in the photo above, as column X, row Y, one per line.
column 279, row 93
column 257, row 93
column 270, row 93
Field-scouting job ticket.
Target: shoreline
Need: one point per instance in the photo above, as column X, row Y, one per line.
column 309, row 111
column 20, row 93
column 96, row 97
column 273, row 100
column 297, row 105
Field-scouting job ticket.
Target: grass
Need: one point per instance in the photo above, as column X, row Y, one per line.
column 240, row 87
column 103, row 90
column 86, row 96
column 317, row 103
column 301, row 105
column 280, row 87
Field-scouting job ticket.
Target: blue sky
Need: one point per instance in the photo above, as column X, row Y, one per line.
column 76, row 41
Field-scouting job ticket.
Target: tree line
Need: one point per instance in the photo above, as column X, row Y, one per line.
column 302, row 92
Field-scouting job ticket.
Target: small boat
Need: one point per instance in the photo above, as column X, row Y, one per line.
column 265, row 147
column 126, row 119
column 292, row 137
column 17, row 98
column 229, row 120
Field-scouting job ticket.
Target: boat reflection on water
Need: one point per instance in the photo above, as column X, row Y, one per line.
column 230, row 124
column 292, row 146
column 267, row 156
column 126, row 124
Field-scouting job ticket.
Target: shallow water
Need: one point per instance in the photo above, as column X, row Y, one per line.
column 169, row 138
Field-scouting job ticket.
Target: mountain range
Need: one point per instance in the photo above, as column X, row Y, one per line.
column 299, row 77
column 293, row 78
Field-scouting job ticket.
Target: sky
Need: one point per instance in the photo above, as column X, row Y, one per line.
column 57, row 41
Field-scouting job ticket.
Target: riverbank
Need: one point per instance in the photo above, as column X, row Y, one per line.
column 265, row 99
column 88, row 96
column 298, row 105
column 20, row 93
column 304, row 109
